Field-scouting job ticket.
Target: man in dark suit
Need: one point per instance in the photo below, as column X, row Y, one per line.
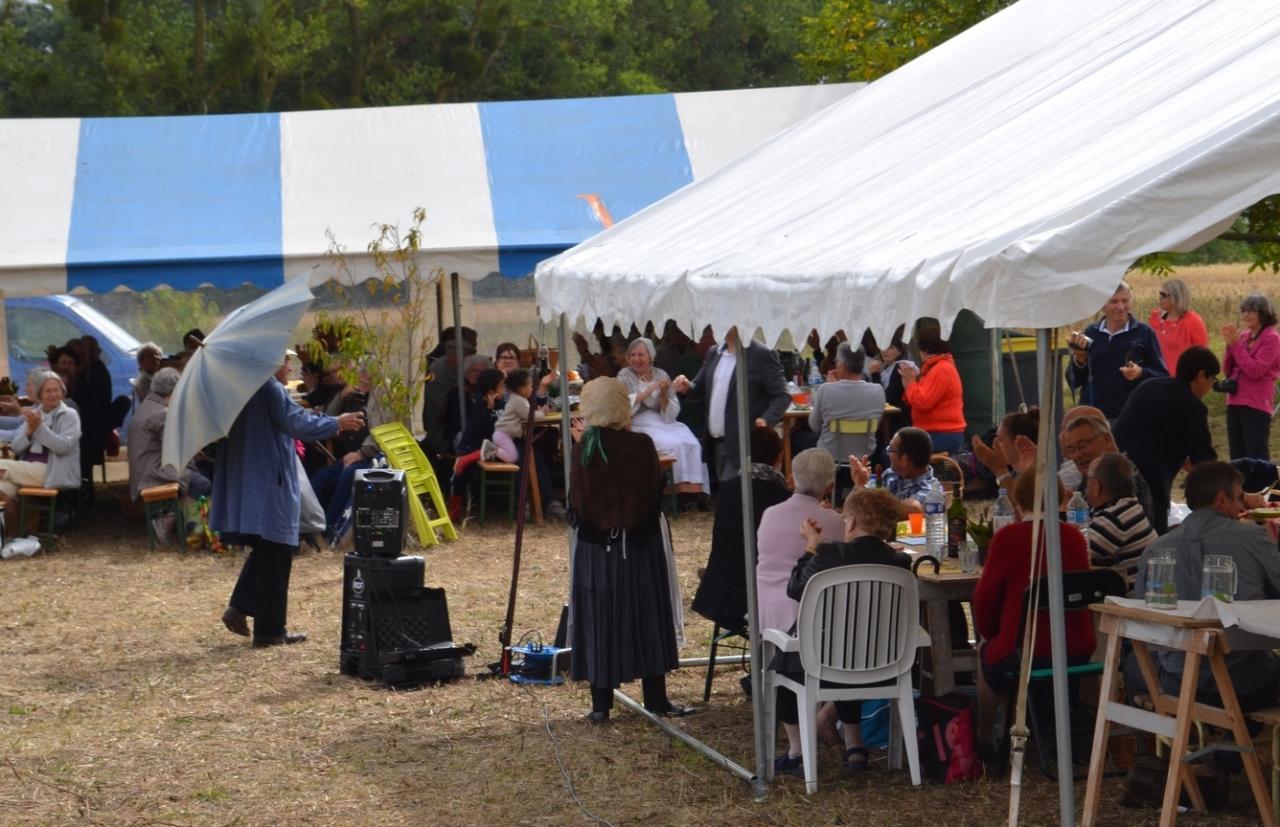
column 1164, row 424
column 716, row 387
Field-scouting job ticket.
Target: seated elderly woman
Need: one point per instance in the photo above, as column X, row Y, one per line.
column 997, row 609
column 778, row 543
column 870, row 518
column 146, row 440
column 654, row 409
column 47, row 446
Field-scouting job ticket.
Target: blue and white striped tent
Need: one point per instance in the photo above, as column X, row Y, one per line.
column 103, row 203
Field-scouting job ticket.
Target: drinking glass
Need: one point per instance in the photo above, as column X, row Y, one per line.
column 1162, row 588
column 969, row 556
column 1218, row 577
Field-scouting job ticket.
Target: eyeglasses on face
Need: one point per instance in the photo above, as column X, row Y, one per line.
column 891, row 450
column 1077, row 447
column 1163, row 294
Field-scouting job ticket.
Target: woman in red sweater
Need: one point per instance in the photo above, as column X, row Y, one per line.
column 934, row 392
column 1177, row 326
column 997, row 606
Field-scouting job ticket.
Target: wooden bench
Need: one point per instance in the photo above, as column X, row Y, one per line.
column 158, row 500
column 40, row 502
column 1271, row 717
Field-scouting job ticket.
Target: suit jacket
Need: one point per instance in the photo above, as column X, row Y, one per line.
column 767, row 396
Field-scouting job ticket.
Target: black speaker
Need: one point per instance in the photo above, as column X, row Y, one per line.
column 393, row 629
column 379, row 509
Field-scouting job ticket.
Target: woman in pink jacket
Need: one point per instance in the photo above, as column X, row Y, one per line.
column 1253, row 361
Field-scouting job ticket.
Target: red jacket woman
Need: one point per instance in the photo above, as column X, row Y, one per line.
column 935, row 394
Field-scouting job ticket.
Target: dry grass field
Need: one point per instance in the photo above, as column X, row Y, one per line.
column 123, row 701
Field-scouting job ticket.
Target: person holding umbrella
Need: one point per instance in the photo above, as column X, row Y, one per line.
column 255, row 502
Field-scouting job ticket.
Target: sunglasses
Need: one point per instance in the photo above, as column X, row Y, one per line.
column 1164, row 295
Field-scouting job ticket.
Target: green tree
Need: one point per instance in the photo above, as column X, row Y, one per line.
column 861, row 40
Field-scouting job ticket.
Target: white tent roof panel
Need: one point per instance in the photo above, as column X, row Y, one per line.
column 1016, row 171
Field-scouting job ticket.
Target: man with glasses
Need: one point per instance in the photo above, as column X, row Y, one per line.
column 1214, row 494
column 1088, row 437
column 909, row 475
column 1165, row 425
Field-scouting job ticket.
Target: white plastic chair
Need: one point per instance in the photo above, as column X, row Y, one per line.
column 857, row 625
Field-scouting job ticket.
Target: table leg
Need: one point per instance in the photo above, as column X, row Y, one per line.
column 1101, row 729
column 1182, row 733
column 941, row 656
column 1252, row 769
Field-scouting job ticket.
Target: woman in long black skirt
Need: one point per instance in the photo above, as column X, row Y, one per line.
column 621, row 600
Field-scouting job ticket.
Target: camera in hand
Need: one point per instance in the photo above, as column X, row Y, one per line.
column 1226, row 386
column 1088, row 343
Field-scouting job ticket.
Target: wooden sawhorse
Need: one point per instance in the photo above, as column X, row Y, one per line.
column 1174, row 717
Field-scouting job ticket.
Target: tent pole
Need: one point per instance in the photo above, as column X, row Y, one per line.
column 997, row 376
column 1057, row 607
column 566, row 439
column 759, row 786
column 460, row 354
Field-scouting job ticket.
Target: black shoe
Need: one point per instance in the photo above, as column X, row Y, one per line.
column 674, row 711
column 235, row 621
column 597, row 716
column 287, row 637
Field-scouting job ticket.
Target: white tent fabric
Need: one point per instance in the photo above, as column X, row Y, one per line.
column 1016, row 171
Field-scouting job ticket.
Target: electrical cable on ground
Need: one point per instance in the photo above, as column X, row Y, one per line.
column 564, row 771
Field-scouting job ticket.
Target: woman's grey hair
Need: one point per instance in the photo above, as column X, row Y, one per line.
column 45, row 376
column 813, row 470
column 646, row 344
column 33, row 377
column 1261, row 305
column 163, row 383
column 1180, row 294
column 475, row 359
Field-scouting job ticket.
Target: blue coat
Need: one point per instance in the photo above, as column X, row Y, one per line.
column 255, row 481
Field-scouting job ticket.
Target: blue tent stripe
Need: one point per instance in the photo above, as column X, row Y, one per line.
column 176, row 201
column 556, row 167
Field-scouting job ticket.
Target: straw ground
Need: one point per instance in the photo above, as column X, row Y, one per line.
column 124, row 702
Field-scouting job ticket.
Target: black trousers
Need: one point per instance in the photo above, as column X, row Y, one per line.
column 262, row 590
column 1248, row 432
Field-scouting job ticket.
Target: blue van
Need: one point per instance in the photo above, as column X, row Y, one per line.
column 36, row 322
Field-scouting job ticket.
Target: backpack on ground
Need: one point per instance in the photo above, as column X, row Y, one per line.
column 948, row 745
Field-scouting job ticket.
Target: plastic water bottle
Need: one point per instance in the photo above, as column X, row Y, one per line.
column 872, row 482
column 1001, row 512
column 935, row 521
column 1078, row 514
column 815, row 374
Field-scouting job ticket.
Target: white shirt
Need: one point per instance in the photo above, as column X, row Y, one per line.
column 720, row 392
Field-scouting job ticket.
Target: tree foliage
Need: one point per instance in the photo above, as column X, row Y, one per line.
column 172, row 57
column 860, row 40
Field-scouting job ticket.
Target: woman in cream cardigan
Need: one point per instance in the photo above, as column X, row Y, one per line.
column 47, row 446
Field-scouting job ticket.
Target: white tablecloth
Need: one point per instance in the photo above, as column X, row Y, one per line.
column 1257, row 617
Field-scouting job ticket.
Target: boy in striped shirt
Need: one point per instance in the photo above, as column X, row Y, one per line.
column 1118, row 527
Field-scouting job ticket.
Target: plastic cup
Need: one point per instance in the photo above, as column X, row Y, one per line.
column 916, row 521
column 968, row 557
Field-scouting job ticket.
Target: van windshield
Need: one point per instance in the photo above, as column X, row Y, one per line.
column 102, row 326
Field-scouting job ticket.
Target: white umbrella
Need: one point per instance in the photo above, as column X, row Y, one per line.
column 236, row 358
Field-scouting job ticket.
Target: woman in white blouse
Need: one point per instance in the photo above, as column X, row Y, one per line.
column 654, row 409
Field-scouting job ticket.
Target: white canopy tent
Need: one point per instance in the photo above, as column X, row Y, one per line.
column 1016, row 171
